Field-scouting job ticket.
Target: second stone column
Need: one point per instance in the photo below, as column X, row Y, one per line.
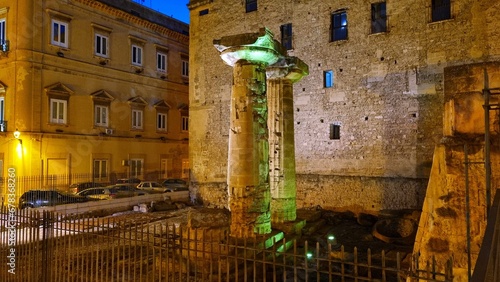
column 248, row 156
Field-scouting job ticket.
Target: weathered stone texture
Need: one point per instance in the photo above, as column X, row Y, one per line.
column 387, row 94
column 357, row 194
column 445, row 216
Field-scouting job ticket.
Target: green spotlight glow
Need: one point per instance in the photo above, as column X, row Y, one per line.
column 331, row 237
column 309, row 255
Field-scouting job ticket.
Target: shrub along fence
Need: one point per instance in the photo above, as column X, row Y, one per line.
column 45, row 246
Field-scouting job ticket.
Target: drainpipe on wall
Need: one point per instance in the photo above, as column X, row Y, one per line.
column 487, row 164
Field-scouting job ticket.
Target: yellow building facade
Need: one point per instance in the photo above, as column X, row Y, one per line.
column 95, row 88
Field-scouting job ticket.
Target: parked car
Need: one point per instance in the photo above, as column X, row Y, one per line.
column 99, row 193
column 42, row 198
column 151, row 186
column 128, row 181
column 77, row 187
column 112, row 192
column 127, row 190
column 175, row 184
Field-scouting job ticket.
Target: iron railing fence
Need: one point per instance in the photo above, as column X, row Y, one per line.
column 45, row 246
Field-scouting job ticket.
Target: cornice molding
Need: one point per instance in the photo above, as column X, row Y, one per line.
column 55, row 13
column 134, row 19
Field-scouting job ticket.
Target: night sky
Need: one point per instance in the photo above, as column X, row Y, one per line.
column 174, row 8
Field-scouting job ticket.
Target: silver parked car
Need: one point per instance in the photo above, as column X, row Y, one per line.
column 152, row 186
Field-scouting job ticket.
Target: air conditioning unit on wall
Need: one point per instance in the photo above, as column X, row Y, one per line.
column 109, row 131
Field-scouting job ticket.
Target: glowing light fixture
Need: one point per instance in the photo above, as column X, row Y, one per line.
column 309, row 255
column 17, row 134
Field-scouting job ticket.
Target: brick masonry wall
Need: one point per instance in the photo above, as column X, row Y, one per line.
column 387, row 94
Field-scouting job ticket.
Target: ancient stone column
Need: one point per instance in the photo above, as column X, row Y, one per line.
column 248, row 162
column 280, row 79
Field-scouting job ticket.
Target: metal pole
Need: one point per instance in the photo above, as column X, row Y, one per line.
column 487, row 164
column 467, row 211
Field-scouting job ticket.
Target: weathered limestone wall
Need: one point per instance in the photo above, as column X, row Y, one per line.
column 387, row 94
column 443, row 223
column 361, row 193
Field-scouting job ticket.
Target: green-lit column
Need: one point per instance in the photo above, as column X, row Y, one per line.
column 248, row 160
column 280, row 79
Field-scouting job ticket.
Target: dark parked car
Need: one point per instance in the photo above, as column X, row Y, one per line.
column 42, row 198
column 128, row 181
column 77, row 187
column 175, row 184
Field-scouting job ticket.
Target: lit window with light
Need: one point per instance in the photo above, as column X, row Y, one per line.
column 339, row 26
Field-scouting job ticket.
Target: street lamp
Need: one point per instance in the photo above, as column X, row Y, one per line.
column 17, row 134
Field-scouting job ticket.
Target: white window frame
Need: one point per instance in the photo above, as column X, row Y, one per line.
column 136, row 168
column 61, row 41
column 101, row 45
column 3, row 30
column 136, row 55
column 101, row 115
column 185, row 68
column 185, row 123
column 58, row 111
column 137, row 118
column 161, row 122
column 161, row 62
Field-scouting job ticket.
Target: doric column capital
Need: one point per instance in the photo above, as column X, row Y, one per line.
column 258, row 48
column 291, row 68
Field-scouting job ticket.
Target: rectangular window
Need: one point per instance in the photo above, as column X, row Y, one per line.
column 185, row 123
column 185, row 68
column 286, row 36
column 136, row 168
column 441, row 10
column 161, row 124
column 136, row 55
column 161, row 62
column 100, row 170
column 101, row 115
column 379, row 17
column 339, row 26
column 58, row 111
column 101, row 45
column 185, row 168
column 2, row 109
column 137, row 119
column 328, row 79
column 165, row 168
column 59, row 33
column 3, row 30
column 334, row 132
column 250, row 5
